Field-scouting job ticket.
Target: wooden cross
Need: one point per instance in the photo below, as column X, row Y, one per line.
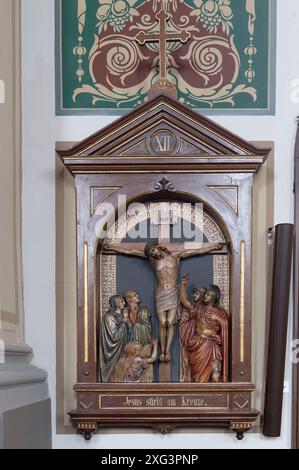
column 163, row 37
column 164, row 218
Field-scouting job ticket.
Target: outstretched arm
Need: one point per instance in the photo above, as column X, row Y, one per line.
column 183, row 294
column 124, row 249
column 202, row 249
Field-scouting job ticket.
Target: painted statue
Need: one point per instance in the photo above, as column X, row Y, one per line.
column 166, row 265
column 140, row 318
column 204, row 334
column 115, row 333
column 142, row 361
column 136, row 363
column 187, row 314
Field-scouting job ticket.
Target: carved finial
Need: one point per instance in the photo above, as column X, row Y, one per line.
column 87, row 429
column 164, row 185
column 165, row 429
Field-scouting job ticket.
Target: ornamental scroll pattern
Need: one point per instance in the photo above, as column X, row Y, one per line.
column 210, row 229
column 214, row 69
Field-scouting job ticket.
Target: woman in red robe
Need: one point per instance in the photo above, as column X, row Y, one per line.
column 204, row 334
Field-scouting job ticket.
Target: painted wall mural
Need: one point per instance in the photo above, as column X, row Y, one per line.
column 224, row 67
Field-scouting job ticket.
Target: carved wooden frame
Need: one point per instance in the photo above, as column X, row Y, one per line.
column 208, row 157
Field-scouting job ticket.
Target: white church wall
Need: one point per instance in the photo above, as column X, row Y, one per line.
column 41, row 129
column 11, row 307
column 23, row 387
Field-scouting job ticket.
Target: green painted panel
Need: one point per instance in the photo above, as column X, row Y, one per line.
column 226, row 66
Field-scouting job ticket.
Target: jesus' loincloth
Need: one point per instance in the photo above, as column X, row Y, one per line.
column 167, row 299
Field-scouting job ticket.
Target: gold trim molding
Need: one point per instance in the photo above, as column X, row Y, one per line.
column 86, row 302
column 242, row 301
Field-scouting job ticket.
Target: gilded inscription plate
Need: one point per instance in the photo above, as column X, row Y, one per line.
column 164, row 401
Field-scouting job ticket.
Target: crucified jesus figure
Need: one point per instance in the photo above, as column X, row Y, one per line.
column 165, row 261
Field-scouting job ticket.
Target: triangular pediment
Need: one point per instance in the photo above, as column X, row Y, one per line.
column 164, row 128
column 164, row 136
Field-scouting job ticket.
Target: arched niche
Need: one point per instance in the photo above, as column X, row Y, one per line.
column 212, row 232
column 117, row 274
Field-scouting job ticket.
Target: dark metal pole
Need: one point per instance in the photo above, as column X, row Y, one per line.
column 295, row 387
column 282, row 267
